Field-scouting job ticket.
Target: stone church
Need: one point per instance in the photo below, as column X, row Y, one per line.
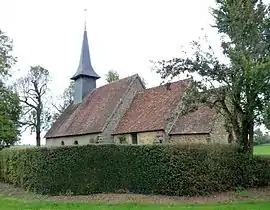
column 125, row 112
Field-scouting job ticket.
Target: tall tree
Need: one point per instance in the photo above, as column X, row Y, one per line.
column 9, row 101
column 112, row 76
column 266, row 116
column 33, row 91
column 260, row 138
column 9, row 116
column 6, row 59
column 244, row 83
column 64, row 100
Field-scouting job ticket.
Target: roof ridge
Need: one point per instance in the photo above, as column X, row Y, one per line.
column 120, row 101
column 179, row 106
column 116, row 81
column 92, row 91
column 160, row 86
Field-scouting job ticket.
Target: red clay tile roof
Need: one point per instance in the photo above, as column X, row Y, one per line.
column 200, row 121
column 151, row 107
column 91, row 115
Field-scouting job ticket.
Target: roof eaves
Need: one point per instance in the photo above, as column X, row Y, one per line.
column 136, row 131
column 73, row 135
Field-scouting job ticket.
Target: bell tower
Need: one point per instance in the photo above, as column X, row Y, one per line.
column 85, row 76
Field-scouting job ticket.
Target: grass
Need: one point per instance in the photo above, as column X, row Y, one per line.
column 263, row 149
column 11, row 203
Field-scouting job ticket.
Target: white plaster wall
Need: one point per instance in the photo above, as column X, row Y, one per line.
column 82, row 140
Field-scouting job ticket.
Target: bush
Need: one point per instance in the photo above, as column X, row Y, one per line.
column 158, row 169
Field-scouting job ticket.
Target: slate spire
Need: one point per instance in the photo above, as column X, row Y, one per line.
column 85, row 67
column 85, row 76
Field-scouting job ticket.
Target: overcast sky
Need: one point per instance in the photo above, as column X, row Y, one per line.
column 123, row 35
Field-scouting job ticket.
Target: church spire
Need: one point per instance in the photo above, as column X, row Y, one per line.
column 85, row 76
column 85, row 67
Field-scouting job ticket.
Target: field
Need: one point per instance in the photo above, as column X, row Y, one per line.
column 9, row 203
column 12, row 198
column 263, row 149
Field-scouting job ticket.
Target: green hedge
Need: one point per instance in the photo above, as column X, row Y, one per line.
column 168, row 170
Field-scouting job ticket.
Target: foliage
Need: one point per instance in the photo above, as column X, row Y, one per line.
column 33, row 89
column 164, row 169
column 143, row 81
column 122, row 139
column 112, row 76
column 9, row 103
column 6, row 59
column 65, row 99
column 266, row 116
column 9, row 116
column 260, row 138
column 241, row 88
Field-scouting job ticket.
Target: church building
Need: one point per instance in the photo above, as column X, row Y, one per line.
column 125, row 112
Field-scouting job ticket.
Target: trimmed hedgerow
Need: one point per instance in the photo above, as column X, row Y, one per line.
column 158, row 169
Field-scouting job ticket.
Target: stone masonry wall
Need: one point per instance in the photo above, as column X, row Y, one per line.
column 189, row 139
column 136, row 86
column 219, row 133
column 143, row 138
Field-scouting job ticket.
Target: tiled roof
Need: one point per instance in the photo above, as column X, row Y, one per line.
column 151, row 108
column 91, row 115
column 200, row 121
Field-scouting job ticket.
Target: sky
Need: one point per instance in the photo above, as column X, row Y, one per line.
column 124, row 35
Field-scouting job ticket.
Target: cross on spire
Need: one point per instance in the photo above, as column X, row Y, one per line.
column 85, row 18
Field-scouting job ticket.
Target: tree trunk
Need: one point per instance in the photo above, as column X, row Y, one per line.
column 247, row 132
column 38, row 128
column 38, row 138
column 251, row 136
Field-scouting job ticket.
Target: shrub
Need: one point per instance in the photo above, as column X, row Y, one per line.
column 157, row 169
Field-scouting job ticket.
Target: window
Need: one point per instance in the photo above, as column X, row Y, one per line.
column 134, row 138
column 62, row 143
column 76, row 142
column 230, row 138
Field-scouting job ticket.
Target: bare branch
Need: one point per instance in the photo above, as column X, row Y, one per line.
column 28, row 104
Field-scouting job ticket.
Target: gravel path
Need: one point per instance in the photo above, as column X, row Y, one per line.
column 251, row 194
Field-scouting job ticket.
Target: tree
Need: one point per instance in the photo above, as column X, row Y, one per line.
column 6, row 59
column 66, row 99
column 143, row 81
column 9, row 116
column 266, row 116
column 239, row 89
column 260, row 138
column 9, row 101
column 33, row 91
column 112, row 76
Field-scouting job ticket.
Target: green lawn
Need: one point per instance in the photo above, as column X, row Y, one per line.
column 9, row 203
column 263, row 149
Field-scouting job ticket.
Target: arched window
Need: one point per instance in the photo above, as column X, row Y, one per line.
column 76, row 142
column 62, row 143
column 230, row 138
